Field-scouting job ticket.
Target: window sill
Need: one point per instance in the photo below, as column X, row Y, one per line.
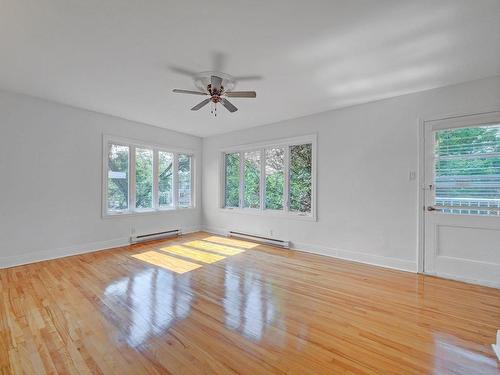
column 268, row 213
column 109, row 215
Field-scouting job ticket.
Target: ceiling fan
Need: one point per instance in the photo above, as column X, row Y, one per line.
column 218, row 86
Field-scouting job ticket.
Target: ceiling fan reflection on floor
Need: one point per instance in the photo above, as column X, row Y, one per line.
column 218, row 86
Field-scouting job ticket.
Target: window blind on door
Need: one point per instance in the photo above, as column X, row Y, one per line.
column 467, row 170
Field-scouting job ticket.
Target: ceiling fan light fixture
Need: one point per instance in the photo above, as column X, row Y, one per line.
column 218, row 86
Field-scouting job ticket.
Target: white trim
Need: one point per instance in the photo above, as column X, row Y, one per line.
column 267, row 212
column 145, row 144
column 357, row 256
column 354, row 256
column 40, row 256
column 156, row 180
column 470, row 120
column 241, row 193
column 286, row 182
column 133, row 144
column 486, row 113
column 421, row 196
column 284, row 143
column 309, row 138
column 466, row 280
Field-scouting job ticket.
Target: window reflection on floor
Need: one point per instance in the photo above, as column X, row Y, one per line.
column 156, row 300
column 248, row 302
column 161, row 295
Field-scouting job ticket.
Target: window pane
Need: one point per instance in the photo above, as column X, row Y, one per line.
column 300, row 177
column 143, row 178
column 232, row 180
column 118, row 160
column 275, row 178
column 252, row 180
column 467, row 170
column 165, row 165
column 185, row 181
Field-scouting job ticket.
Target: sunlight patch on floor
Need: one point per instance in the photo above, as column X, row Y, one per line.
column 216, row 248
column 231, row 242
column 191, row 255
column 170, row 263
column 186, row 252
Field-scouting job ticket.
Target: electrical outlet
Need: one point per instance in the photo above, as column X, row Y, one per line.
column 271, row 232
column 412, row 176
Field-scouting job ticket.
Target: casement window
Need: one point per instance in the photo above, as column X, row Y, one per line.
column 276, row 178
column 141, row 178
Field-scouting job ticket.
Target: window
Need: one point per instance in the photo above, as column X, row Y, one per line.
column 118, row 181
column 300, row 178
column 232, row 180
column 165, row 179
column 185, row 180
column 276, row 178
column 142, row 178
column 251, row 181
column 467, row 170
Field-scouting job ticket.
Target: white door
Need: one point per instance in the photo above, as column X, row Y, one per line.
column 462, row 198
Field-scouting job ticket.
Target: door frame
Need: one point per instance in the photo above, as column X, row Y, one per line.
column 421, row 123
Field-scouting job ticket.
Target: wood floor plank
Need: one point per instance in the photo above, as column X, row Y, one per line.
column 205, row 304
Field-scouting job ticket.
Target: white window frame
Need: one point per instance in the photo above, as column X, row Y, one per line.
column 285, row 143
column 133, row 144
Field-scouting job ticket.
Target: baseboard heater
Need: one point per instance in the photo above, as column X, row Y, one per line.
column 154, row 236
column 266, row 240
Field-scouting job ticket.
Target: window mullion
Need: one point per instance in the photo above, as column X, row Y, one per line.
column 132, row 181
column 286, row 183
column 192, row 185
column 242, row 180
column 262, row 186
column 175, row 181
column 156, row 171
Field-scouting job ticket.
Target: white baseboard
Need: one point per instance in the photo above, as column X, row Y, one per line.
column 356, row 256
column 376, row 260
column 218, row 231
column 490, row 284
column 192, row 229
column 38, row 256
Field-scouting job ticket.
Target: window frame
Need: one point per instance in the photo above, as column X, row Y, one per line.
column 454, row 123
column 284, row 143
column 133, row 144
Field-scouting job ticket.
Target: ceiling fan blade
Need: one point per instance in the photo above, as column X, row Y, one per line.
column 248, row 78
column 241, row 94
column 229, row 106
column 216, row 82
column 179, row 91
column 182, row 71
column 199, row 105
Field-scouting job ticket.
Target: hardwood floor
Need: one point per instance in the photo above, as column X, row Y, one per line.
column 203, row 304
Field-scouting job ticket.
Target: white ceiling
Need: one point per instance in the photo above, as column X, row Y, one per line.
column 115, row 56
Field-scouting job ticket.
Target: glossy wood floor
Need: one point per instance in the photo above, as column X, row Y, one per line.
column 202, row 304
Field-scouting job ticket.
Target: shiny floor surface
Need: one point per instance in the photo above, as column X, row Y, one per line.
column 204, row 304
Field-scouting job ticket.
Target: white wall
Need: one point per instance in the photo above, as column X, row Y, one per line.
column 50, row 187
column 50, row 177
column 366, row 204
